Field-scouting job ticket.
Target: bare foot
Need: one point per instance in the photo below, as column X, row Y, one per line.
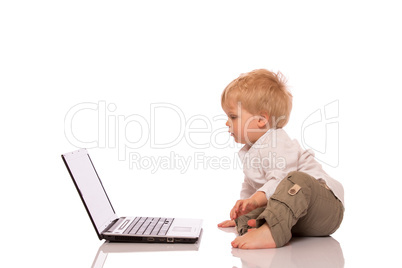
column 259, row 238
column 229, row 223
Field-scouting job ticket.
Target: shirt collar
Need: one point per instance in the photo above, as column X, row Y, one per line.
column 247, row 147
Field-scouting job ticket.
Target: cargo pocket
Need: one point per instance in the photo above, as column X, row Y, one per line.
column 293, row 198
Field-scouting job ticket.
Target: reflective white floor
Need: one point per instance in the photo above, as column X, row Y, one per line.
column 81, row 248
column 208, row 252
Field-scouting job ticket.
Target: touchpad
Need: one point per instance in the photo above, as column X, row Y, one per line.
column 181, row 229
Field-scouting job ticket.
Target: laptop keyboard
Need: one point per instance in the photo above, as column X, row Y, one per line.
column 149, row 226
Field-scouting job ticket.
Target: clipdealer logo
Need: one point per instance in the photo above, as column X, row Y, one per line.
column 128, row 133
column 113, row 129
column 320, row 133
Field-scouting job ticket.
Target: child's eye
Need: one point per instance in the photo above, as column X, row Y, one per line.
column 233, row 117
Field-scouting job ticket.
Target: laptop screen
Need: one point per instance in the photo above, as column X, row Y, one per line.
column 90, row 189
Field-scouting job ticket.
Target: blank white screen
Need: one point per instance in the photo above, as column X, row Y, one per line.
column 91, row 188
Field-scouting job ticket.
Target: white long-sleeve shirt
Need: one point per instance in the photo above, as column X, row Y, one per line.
column 272, row 157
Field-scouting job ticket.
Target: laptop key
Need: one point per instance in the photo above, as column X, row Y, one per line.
column 151, row 226
column 144, row 226
column 132, row 224
column 157, row 227
column 137, row 226
column 166, row 225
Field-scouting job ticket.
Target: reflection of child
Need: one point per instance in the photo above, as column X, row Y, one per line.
column 285, row 190
column 302, row 252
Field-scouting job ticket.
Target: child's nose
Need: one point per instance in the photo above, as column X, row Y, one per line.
column 227, row 123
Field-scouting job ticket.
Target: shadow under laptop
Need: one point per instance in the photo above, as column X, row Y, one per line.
column 300, row 252
column 115, row 247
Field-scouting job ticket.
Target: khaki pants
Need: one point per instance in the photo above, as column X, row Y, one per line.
column 300, row 206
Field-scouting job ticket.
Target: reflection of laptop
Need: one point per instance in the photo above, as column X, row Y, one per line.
column 108, row 247
column 124, row 229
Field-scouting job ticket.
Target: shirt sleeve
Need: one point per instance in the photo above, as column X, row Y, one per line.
column 276, row 163
column 273, row 179
column 268, row 162
column 247, row 189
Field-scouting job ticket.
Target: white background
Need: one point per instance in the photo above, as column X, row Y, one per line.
column 131, row 54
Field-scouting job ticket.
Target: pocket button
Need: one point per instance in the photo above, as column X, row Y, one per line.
column 294, row 190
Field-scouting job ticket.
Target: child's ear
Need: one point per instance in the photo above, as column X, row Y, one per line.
column 263, row 120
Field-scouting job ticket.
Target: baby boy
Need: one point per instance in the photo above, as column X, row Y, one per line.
column 285, row 191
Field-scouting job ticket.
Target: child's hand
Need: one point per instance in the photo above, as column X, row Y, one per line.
column 229, row 223
column 242, row 207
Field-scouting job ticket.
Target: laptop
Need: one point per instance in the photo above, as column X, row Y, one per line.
column 108, row 225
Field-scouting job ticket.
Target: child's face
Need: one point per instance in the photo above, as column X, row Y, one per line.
column 246, row 128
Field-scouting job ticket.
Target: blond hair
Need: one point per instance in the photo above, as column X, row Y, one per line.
column 261, row 91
